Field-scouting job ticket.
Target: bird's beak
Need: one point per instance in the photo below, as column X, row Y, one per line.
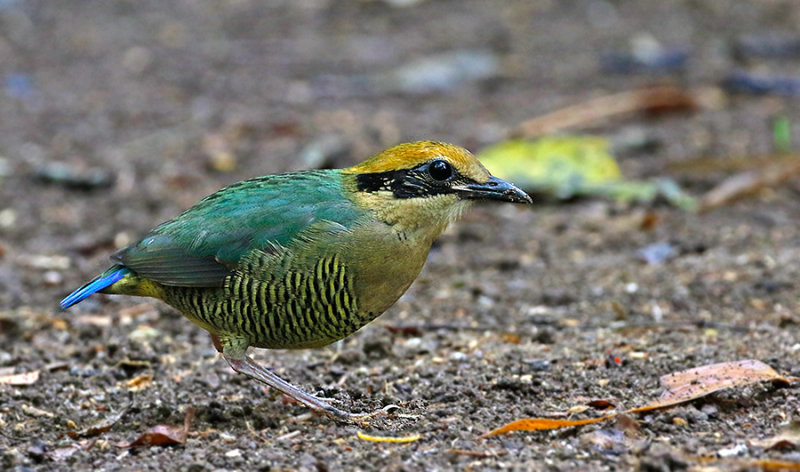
column 493, row 189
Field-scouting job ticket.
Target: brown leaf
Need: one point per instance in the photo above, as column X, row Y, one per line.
column 510, row 338
column 657, row 99
column 405, row 330
column 540, row 424
column 26, row 378
column 139, row 382
column 163, row 434
column 750, row 182
column 601, row 404
column 681, row 387
column 698, row 382
column 789, row 438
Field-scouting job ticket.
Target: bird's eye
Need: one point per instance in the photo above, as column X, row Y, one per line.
column 440, row 170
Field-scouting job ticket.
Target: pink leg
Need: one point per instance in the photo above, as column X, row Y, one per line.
column 245, row 365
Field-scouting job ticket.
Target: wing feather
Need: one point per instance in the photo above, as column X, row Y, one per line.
column 205, row 244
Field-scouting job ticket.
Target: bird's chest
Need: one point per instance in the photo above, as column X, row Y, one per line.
column 383, row 273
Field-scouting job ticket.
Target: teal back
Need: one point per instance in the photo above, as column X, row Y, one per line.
column 204, row 244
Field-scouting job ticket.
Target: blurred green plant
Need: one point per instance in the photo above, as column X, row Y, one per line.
column 566, row 167
column 782, row 134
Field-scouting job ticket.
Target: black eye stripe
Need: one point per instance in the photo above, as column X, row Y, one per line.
column 419, row 182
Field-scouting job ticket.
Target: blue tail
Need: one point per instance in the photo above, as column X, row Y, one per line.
column 100, row 282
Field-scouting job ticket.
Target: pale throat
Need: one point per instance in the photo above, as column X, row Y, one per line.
column 426, row 215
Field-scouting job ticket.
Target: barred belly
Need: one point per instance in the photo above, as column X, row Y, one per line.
column 299, row 309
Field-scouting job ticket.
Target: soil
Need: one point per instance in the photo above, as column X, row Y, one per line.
column 520, row 311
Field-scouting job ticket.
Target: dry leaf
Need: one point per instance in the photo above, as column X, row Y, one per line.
column 701, row 381
column 681, row 387
column 164, row 434
column 789, row 438
column 750, row 182
column 63, row 452
column 33, row 411
column 139, row 382
column 540, row 424
column 510, row 338
column 599, row 110
column 95, row 320
column 577, row 409
column 601, row 404
column 764, row 465
column 407, row 439
column 26, row 378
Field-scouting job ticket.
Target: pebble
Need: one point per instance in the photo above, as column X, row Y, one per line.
column 41, row 261
column 761, row 84
column 457, row 356
column 52, row 278
column 538, row 365
column 70, row 177
column 736, row 450
column 656, row 253
column 7, row 218
column 137, row 59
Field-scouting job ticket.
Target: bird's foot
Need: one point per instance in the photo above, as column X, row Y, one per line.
column 252, row 369
column 343, row 415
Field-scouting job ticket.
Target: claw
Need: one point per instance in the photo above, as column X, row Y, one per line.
column 342, row 415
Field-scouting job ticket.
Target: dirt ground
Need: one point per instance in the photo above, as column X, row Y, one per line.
column 519, row 312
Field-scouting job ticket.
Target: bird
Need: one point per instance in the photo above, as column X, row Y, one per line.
column 302, row 259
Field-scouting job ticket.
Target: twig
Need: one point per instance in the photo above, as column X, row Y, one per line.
column 657, row 99
column 749, row 182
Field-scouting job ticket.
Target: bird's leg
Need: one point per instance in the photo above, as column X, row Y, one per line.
column 234, row 352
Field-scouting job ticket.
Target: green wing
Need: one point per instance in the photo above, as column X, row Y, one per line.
column 204, row 244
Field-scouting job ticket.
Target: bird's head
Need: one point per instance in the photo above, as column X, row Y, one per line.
column 425, row 185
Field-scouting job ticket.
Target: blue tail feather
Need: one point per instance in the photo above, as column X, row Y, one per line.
column 100, row 282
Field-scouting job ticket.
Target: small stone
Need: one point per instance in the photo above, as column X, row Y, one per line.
column 137, row 59
column 457, row 356
column 218, row 150
column 736, row 450
column 41, row 261
column 538, row 365
column 7, row 218
column 52, row 278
